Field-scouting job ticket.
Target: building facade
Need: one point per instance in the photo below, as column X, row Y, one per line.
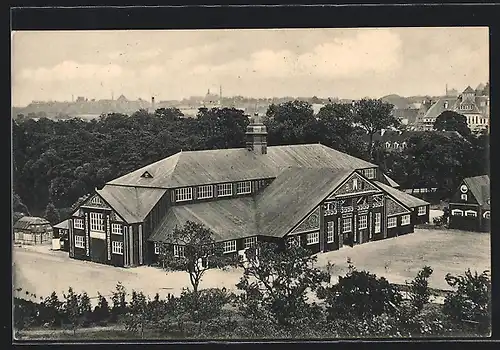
column 473, row 104
column 470, row 205
column 310, row 195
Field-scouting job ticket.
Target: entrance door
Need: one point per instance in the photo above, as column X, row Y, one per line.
column 98, row 250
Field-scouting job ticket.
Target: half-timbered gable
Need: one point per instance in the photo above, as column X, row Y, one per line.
column 355, row 184
column 311, row 223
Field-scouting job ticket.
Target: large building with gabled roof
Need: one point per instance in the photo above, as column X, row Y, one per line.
column 307, row 194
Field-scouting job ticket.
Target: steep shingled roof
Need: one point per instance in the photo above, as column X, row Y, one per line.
column 26, row 221
column 294, row 193
column 132, row 203
column 229, row 165
column 480, row 188
column 405, row 198
column 228, row 218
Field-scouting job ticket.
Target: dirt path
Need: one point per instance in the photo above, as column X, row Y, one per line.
column 42, row 271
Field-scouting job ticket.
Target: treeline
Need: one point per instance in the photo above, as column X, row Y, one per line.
column 280, row 295
column 57, row 162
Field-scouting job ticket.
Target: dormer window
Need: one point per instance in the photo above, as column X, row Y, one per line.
column 369, row 173
column 96, row 200
column 147, row 175
column 445, row 104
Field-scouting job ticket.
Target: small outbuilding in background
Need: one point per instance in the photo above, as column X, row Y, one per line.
column 61, row 234
column 32, row 230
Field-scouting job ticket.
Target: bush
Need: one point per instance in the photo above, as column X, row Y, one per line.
column 360, row 295
column 419, row 291
column 470, row 304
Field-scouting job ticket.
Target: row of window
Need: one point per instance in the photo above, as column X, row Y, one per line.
column 228, row 246
column 473, row 213
column 207, row 191
column 97, row 224
column 116, row 246
column 396, row 145
column 369, row 173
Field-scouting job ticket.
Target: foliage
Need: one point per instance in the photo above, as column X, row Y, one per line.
column 200, row 252
column 452, row 121
column 470, row 303
column 72, row 307
column 51, row 214
column 276, row 283
column 51, row 311
column 373, row 115
column 360, row 294
column 138, row 314
column 18, row 205
column 101, row 311
column 419, row 291
column 119, row 302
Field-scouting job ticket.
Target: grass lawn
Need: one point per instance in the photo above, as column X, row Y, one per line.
column 41, row 271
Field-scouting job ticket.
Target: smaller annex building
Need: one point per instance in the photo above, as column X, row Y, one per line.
column 61, row 231
column 470, row 205
column 32, row 230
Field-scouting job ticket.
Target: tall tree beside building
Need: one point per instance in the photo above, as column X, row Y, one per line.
column 373, row 115
column 51, row 214
column 452, row 121
column 195, row 250
column 337, row 129
column 291, row 123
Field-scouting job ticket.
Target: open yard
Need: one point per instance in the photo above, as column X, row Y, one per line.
column 41, row 271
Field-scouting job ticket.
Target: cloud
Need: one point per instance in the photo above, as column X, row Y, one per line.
column 373, row 51
column 71, row 70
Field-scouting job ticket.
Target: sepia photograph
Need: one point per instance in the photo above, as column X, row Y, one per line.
column 232, row 184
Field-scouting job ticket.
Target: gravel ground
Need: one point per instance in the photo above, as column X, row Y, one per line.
column 39, row 270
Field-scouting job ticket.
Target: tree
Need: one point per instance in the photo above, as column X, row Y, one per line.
column 72, row 308
column 419, row 292
column 200, row 251
column 119, row 301
column 360, row 294
column 276, row 283
column 452, row 121
column 291, row 122
column 18, row 205
column 337, row 129
column 51, row 214
column 373, row 116
column 470, row 302
column 138, row 314
column 51, row 310
column 101, row 311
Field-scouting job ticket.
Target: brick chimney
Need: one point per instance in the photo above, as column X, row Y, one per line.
column 256, row 136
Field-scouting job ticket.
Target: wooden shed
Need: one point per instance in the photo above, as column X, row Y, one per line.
column 32, row 230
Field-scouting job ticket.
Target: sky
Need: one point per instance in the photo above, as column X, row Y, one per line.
column 173, row 64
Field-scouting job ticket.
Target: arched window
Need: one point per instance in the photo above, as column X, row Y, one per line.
column 396, row 145
column 457, row 212
column 387, row 144
column 471, row 213
column 486, row 214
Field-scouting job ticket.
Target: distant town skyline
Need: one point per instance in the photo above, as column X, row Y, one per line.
column 172, row 65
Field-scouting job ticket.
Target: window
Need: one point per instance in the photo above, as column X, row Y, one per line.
column 183, row 194
column 378, row 220
column 116, row 229
column 347, row 225
column 157, row 248
column 463, row 196
column 396, row 145
column 244, row 187
column 363, row 222
column 312, row 238
column 230, row 246
column 370, row 173
column 224, row 190
column 354, row 184
column 179, row 251
column 96, row 222
column 117, row 247
column 470, row 213
column 79, row 242
column 405, row 220
column 206, row 191
column 78, row 223
column 486, row 214
column 96, row 200
column 457, row 212
column 330, row 231
column 388, row 145
column 250, row 241
column 392, row 222
column 422, row 210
